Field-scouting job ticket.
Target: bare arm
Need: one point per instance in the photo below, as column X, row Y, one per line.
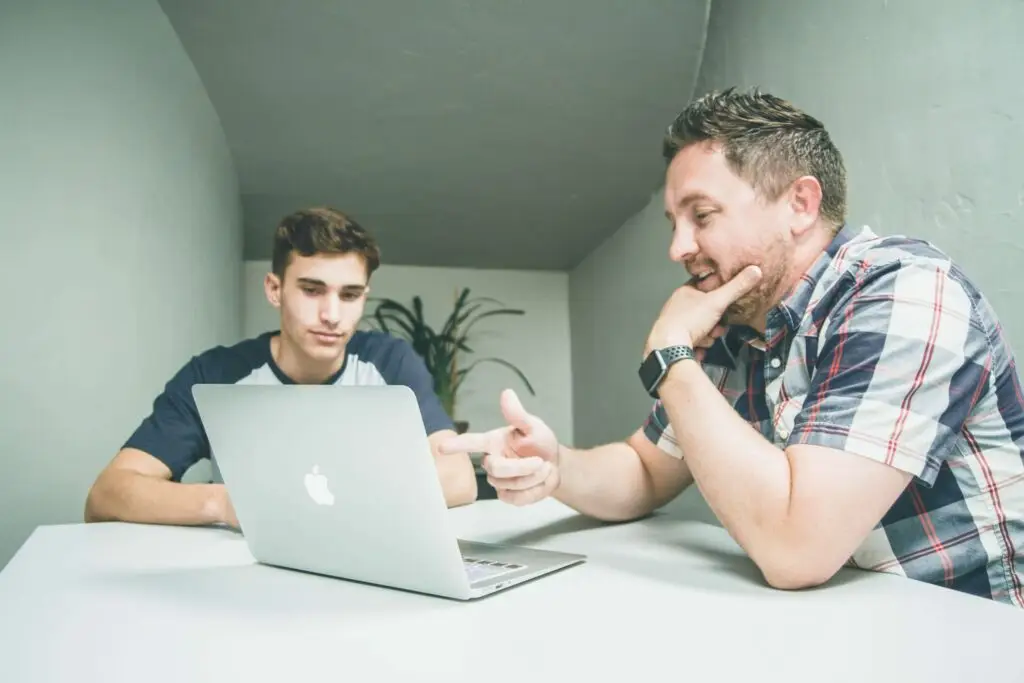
column 616, row 482
column 136, row 487
column 799, row 512
column 455, row 470
column 620, row 481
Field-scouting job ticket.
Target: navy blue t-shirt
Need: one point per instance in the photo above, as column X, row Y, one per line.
column 173, row 432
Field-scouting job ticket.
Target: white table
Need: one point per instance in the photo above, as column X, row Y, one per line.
column 659, row 599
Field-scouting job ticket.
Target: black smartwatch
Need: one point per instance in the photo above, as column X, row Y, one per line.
column 656, row 365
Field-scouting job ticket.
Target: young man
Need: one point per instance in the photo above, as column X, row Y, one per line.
column 322, row 263
column 839, row 397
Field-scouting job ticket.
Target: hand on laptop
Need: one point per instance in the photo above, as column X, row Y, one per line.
column 521, row 460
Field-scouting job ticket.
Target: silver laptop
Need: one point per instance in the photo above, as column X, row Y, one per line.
column 340, row 481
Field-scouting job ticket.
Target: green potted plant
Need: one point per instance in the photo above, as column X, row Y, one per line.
column 444, row 350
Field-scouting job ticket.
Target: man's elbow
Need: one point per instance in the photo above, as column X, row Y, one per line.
column 792, row 570
column 93, row 503
column 795, row 579
column 623, row 515
column 103, row 500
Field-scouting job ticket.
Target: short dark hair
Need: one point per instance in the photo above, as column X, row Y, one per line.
column 766, row 141
column 322, row 230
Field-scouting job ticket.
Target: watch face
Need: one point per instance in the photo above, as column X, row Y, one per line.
column 651, row 372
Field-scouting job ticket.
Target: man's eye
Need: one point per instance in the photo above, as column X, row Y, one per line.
column 702, row 217
column 309, row 290
column 349, row 296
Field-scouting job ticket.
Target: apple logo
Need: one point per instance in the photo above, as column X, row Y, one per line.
column 316, row 486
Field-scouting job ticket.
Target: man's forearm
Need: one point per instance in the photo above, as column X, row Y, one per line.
column 132, row 497
column 458, row 478
column 744, row 478
column 608, row 482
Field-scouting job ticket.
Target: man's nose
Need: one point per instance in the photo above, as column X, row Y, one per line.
column 330, row 311
column 683, row 246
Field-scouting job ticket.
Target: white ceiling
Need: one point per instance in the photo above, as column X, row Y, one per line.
column 486, row 133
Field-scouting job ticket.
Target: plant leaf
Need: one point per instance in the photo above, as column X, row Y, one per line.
column 383, row 318
column 465, row 371
column 488, row 314
column 442, row 350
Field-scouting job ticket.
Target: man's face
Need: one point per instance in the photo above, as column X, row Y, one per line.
column 721, row 225
column 321, row 301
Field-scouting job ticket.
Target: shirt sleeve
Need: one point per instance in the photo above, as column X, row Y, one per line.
column 173, row 432
column 900, row 363
column 659, row 432
column 406, row 367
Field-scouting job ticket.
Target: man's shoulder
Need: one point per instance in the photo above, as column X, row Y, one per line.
column 373, row 353
column 868, row 252
column 882, row 261
column 230, row 363
column 904, row 271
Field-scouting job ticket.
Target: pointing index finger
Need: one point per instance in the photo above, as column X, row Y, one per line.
column 472, row 442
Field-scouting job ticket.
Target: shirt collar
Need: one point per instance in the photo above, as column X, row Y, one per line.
column 785, row 317
column 790, row 311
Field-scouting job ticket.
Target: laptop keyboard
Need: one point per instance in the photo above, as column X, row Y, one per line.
column 479, row 570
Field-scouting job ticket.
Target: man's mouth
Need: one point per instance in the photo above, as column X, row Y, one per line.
column 702, row 275
column 327, row 336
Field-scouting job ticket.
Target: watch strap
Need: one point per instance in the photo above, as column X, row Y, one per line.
column 674, row 354
column 655, row 367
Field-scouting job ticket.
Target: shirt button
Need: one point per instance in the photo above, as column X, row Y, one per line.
column 775, row 362
column 783, row 434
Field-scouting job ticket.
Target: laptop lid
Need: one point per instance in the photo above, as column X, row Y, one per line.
column 334, row 480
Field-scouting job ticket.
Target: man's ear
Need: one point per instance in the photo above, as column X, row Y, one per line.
column 804, row 204
column 272, row 288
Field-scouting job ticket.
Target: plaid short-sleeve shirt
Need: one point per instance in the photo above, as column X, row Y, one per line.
column 887, row 350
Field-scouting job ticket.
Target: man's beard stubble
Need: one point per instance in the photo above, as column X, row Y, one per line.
column 755, row 304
